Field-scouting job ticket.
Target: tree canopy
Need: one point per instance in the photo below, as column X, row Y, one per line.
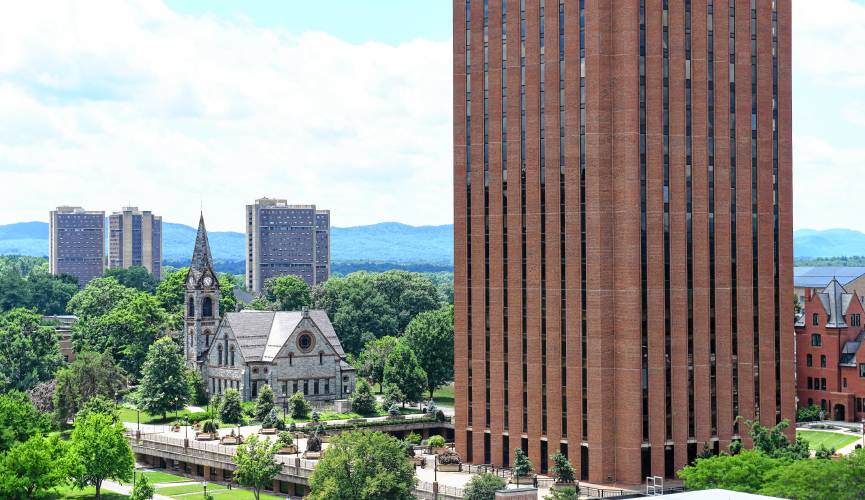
column 256, row 464
column 25, row 282
column 91, row 374
column 98, row 450
column 19, row 420
column 483, row 487
column 164, row 382
column 29, row 352
column 287, row 293
column 430, row 335
column 137, row 277
column 32, row 467
column 403, row 370
column 363, row 465
column 370, row 363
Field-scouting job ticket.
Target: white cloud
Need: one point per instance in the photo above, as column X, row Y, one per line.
column 106, row 103
column 829, row 41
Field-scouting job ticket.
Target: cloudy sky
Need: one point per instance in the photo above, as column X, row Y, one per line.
column 171, row 105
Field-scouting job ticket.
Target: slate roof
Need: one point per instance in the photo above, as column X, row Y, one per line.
column 819, row 277
column 835, row 301
column 261, row 334
column 201, row 259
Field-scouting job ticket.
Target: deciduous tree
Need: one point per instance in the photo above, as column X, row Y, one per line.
column 369, row 465
column 430, row 335
column 370, row 363
column 256, row 464
column 403, row 370
column 19, row 420
column 483, row 487
column 32, row 467
column 29, row 352
column 287, row 293
column 164, row 384
column 91, row 374
column 230, row 410
column 98, row 450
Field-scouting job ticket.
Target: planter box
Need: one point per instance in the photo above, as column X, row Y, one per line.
column 267, row 431
column 175, row 429
column 356, row 421
column 438, row 450
column 449, row 467
column 205, row 436
column 419, row 461
column 312, row 455
column 558, row 486
column 231, row 440
column 287, row 450
column 324, row 439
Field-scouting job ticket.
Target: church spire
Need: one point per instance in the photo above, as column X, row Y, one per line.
column 201, row 259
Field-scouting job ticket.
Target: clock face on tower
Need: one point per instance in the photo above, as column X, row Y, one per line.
column 208, row 281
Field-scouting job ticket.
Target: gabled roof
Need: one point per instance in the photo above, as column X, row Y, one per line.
column 819, row 277
column 262, row 334
column 836, row 301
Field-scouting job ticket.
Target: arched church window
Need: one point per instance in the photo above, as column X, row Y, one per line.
column 220, row 356
column 207, row 307
column 191, row 307
column 232, row 356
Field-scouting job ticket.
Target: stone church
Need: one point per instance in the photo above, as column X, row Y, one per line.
column 290, row 351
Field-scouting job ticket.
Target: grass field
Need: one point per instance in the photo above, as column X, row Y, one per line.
column 188, row 488
column 85, row 494
column 218, row 491
column 444, row 396
column 828, row 439
column 129, row 415
column 156, row 477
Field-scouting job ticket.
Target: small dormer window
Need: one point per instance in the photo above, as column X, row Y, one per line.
column 815, row 319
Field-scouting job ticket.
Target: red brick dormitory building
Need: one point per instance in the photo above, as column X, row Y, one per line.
column 830, row 362
column 623, row 229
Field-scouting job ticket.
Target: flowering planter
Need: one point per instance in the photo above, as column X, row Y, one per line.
column 231, row 440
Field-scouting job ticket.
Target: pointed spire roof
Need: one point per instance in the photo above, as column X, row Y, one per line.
column 201, row 259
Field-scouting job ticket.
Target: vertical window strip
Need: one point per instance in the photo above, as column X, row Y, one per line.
column 668, row 348
column 487, row 373
column 644, row 284
column 689, row 217
column 710, row 47
column 734, row 274
column 543, row 194
column 775, row 208
column 562, row 232
column 754, row 207
column 469, row 398
column 505, row 336
column 523, row 213
column 583, row 292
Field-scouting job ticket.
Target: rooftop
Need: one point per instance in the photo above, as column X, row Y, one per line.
column 819, row 277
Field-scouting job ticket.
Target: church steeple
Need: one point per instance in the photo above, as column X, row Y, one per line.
column 201, row 259
column 202, row 313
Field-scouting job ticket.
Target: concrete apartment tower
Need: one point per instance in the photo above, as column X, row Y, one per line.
column 76, row 243
column 286, row 239
column 623, row 229
column 135, row 239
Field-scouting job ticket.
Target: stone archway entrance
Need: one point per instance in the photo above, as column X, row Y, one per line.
column 838, row 413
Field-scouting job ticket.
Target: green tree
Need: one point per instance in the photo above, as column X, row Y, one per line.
column 171, row 294
column 408, row 293
column 227, row 300
column 164, row 385
column 522, row 465
column 264, row 403
column 483, row 487
column 287, row 293
column 126, row 330
column 143, row 490
column 256, row 464
column 98, row 297
column 98, row 450
column 774, row 442
column 91, row 374
column 231, row 411
column 29, row 352
column 566, row 493
column 363, row 465
column 299, row 406
column 32, row 467
column 19, row 420
column 197, row 390
column 136, row 277
column 430, row 335
column 562, row 469
column 744, row 472
column 392, row 395
column 403, row 370
column 51, row 294
column 363, row 401
column 370, row 363
column 99, row 404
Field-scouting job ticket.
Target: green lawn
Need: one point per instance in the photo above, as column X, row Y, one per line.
column 444, row 396
column 828, row 439
column 188, row 488
column 157, row 476
column 218, row 491
column 85, row 494
column 129, row 415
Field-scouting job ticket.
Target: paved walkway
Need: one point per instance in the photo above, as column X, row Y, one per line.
column 126, row 489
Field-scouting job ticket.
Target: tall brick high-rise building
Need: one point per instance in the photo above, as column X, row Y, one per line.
column 623, row 229
column 76, row 243
column 135, row 239
column 286, row 239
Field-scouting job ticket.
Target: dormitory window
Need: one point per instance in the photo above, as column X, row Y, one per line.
column 855, row 320
column 822, row 361
column 815, row 319
column 809, row 360
column 862, row 369
column 822, row 384
column 816, row 341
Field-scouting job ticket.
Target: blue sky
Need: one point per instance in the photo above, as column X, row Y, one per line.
column 175, row 104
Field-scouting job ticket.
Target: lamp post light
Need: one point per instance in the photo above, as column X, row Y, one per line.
column 284, row 406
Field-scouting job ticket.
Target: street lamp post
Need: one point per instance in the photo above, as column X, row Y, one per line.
column 284, row 406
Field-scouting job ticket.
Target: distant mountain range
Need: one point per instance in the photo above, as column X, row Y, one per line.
column 385, row 242
column 388, row 242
